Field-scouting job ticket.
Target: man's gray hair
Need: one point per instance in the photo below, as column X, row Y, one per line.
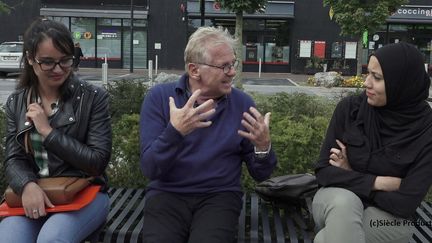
column 202, row 39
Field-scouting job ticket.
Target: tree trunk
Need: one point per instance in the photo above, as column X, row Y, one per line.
column 359, row 56
column 239, row 47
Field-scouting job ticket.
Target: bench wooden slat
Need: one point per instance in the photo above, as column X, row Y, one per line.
column 426, row 219
column 300, row 222
column 139, row 200
column 280, row 236
column 136, row 237
column 116, row 201
column 418, row 237
column 291, row 229
column 265, row 222
column 254, row 219
column 116, row 207
column 242, row 223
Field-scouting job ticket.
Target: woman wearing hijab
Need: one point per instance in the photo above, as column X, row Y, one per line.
column 375, row 164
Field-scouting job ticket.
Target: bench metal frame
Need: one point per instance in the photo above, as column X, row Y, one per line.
column 259, row 221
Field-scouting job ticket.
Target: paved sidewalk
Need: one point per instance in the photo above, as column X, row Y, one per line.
column 96, row 74
column 267, row 83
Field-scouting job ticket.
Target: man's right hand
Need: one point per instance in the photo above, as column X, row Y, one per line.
column 188, row 118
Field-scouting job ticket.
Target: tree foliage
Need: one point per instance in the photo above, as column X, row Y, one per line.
column 356, row 16
column 4, row 8
column 239, row 7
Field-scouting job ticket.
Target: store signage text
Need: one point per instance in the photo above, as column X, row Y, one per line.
column 413, row 12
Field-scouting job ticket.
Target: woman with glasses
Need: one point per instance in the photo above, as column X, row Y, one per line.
column 57, row 125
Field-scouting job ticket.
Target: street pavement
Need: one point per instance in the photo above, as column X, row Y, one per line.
column 264, row 83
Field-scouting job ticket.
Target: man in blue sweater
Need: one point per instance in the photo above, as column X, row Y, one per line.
column 194, row 136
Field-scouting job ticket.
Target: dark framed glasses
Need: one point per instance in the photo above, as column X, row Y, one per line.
column 50, row 64
column 225, row 68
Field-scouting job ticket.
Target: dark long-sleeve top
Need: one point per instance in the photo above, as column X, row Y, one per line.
column 208, row 159
column 414, row 169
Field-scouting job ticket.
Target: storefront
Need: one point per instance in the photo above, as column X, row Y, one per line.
column 266, row 36
column 105, row 33
column 410, row 23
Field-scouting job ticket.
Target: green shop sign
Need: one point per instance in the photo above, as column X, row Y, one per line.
column 77, row 35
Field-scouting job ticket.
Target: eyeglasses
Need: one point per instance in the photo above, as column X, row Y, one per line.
column 49, row 64
column 226, row 68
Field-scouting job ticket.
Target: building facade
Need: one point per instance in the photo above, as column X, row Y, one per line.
column 288, row 36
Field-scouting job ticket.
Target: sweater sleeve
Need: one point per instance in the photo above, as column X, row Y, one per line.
column 159, row 140
column 328, row 175
column 260, row 168
column 414, row 187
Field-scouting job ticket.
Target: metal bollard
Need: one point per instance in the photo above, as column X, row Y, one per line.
column 105, row 73
column 259, row 68
column 156, row 65
column 150, row 72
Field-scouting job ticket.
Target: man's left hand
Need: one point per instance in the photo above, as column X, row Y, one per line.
column 257, row 127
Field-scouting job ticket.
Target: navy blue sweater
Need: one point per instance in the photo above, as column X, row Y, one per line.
column 206, row 160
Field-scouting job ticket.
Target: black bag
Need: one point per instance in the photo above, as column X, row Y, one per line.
column 287, row 188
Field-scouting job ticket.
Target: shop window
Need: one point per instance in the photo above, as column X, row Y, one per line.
column 83, row 31
column 109, row 40
column 139, row 44
column 275, row 53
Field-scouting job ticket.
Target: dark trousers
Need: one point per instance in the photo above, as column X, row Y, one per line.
column 179, row 218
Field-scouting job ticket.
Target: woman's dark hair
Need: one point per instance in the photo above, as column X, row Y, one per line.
column 39, row 31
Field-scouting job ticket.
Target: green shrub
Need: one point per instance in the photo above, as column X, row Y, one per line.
column 126, row 97
column 124, row 169
column 294, row 105
column 298, row 125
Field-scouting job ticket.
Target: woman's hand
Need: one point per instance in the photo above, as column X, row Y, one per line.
column 36, row 114
column 338, row 156
column 387, row 183
column 34, row 200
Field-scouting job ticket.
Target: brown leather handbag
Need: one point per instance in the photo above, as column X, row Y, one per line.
column 60, row 190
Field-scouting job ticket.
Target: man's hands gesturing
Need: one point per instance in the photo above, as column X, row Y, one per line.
column 257, row 127
column 188, row 118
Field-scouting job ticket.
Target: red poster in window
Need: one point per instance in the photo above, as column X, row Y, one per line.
column 319, row 49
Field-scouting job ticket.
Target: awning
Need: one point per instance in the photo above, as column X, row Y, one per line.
column 92, row 13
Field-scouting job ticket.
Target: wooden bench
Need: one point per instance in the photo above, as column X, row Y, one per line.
column 259, row 221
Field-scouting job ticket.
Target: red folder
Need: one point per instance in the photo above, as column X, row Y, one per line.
column 82, row 199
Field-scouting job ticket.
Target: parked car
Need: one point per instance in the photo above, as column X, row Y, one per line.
column 10, row 57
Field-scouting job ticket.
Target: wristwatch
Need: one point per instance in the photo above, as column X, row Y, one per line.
column 262, row 154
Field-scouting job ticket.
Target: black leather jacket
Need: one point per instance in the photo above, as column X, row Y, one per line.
column 79, row 144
